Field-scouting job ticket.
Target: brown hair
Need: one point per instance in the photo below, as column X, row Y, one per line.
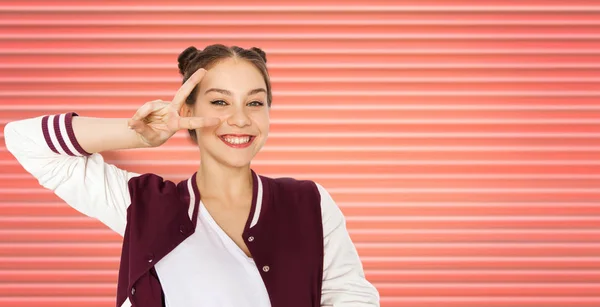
column 192, row 59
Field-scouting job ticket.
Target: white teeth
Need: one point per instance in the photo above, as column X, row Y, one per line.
column 237, row 141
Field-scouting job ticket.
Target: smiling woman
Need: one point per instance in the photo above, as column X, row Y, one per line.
column 226, row 236
column 235, row 88
column 253, row 62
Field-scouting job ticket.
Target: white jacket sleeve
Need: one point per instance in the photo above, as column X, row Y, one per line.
column 47, row 148
column 344, row 282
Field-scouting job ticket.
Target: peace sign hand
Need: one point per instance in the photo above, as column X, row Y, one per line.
column 156, row 121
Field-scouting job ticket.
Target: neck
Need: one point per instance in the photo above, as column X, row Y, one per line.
column 227, row 185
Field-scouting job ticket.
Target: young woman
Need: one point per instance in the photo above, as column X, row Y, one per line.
column 225, row 236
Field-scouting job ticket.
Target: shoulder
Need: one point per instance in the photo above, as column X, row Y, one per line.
column 150, row 185
column 293, row 191
column 292, row 185
column 145, row 180
column 307, row 196
column 156, row 199
column 308, row 191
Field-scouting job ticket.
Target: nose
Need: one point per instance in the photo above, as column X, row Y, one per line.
column 239, row 117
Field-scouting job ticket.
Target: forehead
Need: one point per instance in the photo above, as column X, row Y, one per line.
column 233, row 75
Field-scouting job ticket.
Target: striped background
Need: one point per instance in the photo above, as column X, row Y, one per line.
column 461, row 139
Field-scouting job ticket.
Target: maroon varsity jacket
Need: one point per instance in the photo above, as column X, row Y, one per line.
column 288, row 241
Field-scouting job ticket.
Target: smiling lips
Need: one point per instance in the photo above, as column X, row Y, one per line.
column 237, row 140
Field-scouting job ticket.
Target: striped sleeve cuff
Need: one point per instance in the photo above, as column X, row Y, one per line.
column 59, row 135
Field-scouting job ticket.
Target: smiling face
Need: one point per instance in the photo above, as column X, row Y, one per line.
column 235, row 91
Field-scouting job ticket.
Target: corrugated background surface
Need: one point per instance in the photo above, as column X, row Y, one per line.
column 461, row 139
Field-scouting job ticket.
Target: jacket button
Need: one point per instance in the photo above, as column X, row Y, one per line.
column 250, row 238
column 182, row 229
column 266, row 268
column 132, row 290
column 150, row 257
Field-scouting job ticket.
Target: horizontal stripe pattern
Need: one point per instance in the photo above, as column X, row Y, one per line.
column 460, row 139
column 59, row 134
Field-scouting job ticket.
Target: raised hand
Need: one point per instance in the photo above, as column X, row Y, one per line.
column 156, row 121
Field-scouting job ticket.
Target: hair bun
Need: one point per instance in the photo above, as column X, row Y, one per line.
column 185, row 58
column 262, row 54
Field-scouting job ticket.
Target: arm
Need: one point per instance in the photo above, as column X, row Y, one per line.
column 61, row 152
column 344, row 282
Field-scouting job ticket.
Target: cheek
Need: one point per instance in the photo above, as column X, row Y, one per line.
column 203, row 111
column 262, row 120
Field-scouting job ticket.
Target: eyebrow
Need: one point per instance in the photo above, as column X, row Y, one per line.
column 228, row 93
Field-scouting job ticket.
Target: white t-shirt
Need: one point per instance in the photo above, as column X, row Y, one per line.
column 209, row 269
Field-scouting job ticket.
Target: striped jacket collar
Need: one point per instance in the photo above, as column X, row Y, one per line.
column 258, row 195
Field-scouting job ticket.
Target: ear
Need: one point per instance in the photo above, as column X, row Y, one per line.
column 186, row 110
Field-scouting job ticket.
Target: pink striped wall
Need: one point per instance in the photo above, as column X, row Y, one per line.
column 461, row 139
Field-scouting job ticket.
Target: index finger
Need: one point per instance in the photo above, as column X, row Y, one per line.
column 188, row 86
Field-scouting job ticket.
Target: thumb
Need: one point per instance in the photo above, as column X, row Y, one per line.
column 137, row 126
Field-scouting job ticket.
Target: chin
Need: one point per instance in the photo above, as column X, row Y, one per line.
column 233, row 160
column 237, row 163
